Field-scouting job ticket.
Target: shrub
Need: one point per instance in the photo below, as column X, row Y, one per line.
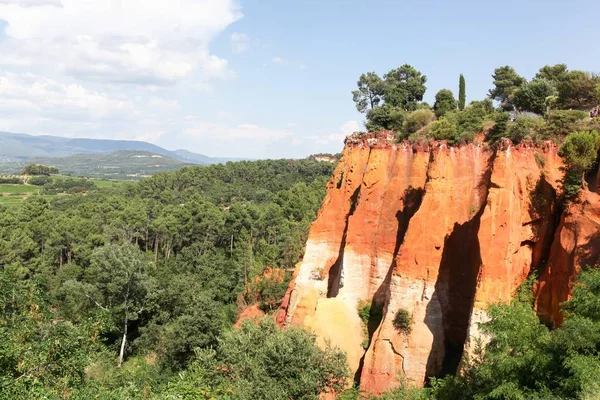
column 525, row 126
column 11, row 180
column 500, row 126
column 402, row 321
column 385, row 117
column 563, row 122
column 417, row 119
column 579, row 154
column 472, row 117
column 364, row 311
column 39, row 180
column 262, row 361
column 445, row 129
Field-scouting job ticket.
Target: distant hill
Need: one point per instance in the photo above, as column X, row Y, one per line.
column 124, row 164
column 20, row 146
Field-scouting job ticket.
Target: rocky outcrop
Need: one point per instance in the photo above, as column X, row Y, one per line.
column 576, row 245
column 440, row 232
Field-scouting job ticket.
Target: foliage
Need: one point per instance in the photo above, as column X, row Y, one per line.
column 578, row 90
column 417, row 120
column 563, row 122
column 40, row 354
column 444, row 102
column 261, row 361
column 500, row 127
column 160, row 263
column 38, row 169
column 364, row 310
column 11, row 180
column 445, row 128
column 68, row 185
column 39, row 180
column 506, row 83
column 369, row 93
column 462, row 96
column 385, row 117
column 525, row 126
column 525, row 360
column 553, row 73
column 402, row 321
column 404, row 87
column 532, row 95
column 579, row 153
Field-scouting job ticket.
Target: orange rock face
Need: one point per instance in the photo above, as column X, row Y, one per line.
column 576, row 245
column 440, row 232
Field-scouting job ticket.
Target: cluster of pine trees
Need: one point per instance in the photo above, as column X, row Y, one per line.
column 131, row 292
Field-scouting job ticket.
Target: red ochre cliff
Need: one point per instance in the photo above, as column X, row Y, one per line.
column 440, row 232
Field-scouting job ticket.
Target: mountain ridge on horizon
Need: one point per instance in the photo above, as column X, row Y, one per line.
column 25, row 146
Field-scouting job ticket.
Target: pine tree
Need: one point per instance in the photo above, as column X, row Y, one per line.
column 461, row 93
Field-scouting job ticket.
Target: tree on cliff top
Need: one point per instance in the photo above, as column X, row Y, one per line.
column 444, row 102
column 369, row 93
column 532, row 95
column 506, row 82
column 552, row 73
column 404, row 87
column 462, row 94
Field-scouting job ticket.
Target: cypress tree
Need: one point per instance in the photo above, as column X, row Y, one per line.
column 461, row 93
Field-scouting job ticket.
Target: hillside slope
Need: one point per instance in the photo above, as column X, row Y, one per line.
column 117, row 165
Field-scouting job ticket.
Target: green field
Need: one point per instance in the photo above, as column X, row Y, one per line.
column 102, row 184
column 13, row 195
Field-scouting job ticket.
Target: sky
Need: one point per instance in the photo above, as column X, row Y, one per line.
column 259, row 78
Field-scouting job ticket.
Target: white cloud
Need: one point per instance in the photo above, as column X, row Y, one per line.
column 349, row 127
column 239, row 42
column 337, row 138
column 134, row 41
column 33, row 95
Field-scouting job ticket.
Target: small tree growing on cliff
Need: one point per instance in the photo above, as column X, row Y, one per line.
column 402, row 321
column 579, row 154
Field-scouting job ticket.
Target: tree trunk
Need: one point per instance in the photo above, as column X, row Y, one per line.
column 122, row 352
column 156, row 249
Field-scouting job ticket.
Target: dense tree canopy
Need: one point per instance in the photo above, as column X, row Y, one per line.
column 506, row 83
column 444, row 102
column 532, row 96
column 146, row 274
column 38, row 169
column 404, row 87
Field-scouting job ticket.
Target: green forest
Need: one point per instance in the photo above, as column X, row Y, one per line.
column 131, row 291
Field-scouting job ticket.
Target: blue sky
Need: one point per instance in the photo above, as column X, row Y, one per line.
column 258, row 78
